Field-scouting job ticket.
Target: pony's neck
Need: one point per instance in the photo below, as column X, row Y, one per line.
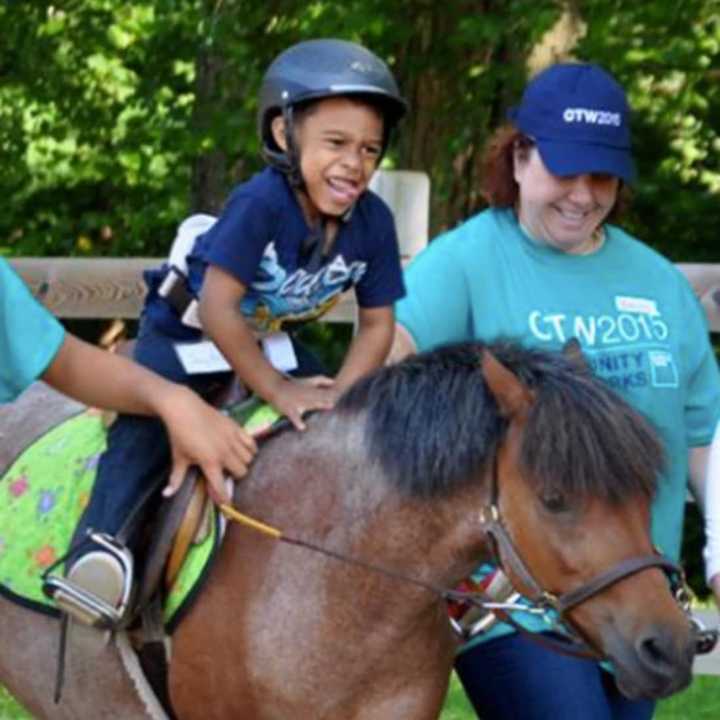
column 321, row 486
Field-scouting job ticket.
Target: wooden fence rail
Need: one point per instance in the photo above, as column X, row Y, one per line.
column 101, row 288
column 107, row 287
column 705, row 279
column 113, row 287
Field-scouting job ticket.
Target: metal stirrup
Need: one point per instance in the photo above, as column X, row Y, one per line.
column 84, row 605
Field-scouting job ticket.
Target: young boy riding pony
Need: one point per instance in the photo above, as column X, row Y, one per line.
column 288, row 243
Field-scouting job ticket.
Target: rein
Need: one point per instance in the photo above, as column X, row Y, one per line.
column 445, row 593
column 474, row 598
column 540, row 604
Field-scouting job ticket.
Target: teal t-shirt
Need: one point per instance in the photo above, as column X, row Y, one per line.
column 637, row 318
column 29, row 335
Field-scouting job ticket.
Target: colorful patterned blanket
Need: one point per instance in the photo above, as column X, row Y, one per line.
column 43, row 494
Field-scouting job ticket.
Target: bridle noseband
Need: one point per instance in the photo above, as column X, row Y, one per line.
column 542, row 601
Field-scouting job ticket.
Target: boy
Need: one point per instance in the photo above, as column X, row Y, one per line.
column 287, row 244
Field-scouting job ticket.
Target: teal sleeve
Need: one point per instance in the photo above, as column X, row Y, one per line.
column 436, row 308
column 702, row 404
column 30, row 336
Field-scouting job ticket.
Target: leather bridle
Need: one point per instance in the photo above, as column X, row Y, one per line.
column 544, row 602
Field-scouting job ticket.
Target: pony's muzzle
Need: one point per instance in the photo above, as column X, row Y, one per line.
column 664, row 662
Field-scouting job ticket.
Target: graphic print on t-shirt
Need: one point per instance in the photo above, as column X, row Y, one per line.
column 628, row 347
column 277, row 297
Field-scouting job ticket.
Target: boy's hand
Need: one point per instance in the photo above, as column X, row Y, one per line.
column 294, row 398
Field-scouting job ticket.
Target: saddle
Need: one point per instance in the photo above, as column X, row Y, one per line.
column 162, row 535
column 161, row 540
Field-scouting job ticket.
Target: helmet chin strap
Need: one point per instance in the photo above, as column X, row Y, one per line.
column 292, row 170
column 318, row 246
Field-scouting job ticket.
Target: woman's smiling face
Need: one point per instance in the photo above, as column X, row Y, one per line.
column 563, row 212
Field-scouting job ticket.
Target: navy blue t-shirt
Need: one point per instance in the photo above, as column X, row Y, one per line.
column 258, row 239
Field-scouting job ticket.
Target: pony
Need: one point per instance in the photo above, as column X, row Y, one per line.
column 422, row 470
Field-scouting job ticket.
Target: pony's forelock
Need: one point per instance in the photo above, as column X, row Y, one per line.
column 433, row 425
column 583, row 440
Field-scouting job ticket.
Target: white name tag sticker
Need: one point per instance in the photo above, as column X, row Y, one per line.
column 279, row 351
column 626, row 304
column 201, row 357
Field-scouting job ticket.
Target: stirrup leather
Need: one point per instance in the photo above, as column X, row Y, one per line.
column 86, row 606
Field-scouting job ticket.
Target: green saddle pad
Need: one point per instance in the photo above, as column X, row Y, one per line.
column 45, row 490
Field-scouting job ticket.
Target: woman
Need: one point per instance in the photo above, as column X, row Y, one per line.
column 544, row 264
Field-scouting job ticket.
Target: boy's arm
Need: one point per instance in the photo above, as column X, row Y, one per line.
column 222, row 320
column 224, row 323
column 369, row 347
column 199, row 435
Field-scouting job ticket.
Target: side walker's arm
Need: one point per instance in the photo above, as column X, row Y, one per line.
column 199, row 434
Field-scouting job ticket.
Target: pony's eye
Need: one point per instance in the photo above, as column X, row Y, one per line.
column 554, row 502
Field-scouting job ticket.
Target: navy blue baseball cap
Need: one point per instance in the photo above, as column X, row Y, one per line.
column 579, row 118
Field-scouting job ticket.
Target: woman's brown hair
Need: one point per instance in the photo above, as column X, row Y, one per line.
column 498, row 184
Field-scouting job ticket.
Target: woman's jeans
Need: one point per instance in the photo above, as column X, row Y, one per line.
column 514, row 678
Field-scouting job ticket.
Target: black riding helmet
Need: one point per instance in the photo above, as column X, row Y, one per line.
column 317, row 69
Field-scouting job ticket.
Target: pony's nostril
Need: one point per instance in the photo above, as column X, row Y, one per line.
column 651, row 651
column 662, row 655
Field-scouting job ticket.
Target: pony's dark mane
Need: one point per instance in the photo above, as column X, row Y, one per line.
column 433, row 424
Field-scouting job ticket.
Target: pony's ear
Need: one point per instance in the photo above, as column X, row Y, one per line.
column 573, row 352
column 513, row 397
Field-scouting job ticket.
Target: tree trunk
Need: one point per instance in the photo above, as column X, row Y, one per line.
column 208, row 190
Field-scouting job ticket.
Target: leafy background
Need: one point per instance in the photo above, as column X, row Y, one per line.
column 118, row 118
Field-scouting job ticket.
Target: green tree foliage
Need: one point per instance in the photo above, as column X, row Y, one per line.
column 119, row 118
column 668, row 56
column 116, row 119
column 96, row 101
